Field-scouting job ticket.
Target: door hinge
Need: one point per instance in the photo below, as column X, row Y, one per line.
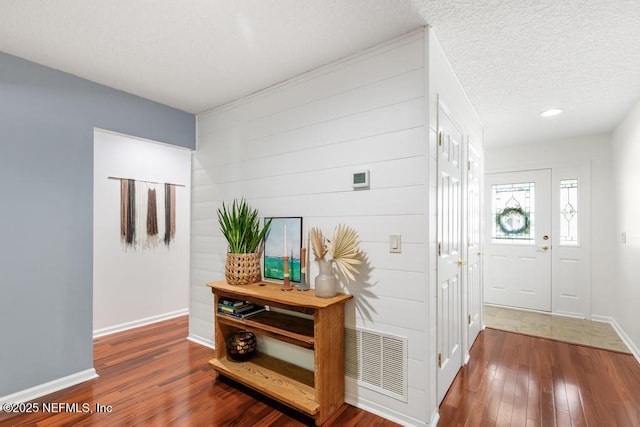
column 439, row 249
column 439, row 360
column 469, row 319
column 440, row 138
column 469, row 165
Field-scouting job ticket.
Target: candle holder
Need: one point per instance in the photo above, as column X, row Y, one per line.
column 303, row 285
column 286, row 284
column 241, row 346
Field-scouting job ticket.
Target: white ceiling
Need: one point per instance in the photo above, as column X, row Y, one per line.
column 514, row 58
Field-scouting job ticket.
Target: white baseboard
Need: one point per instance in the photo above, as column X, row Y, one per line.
column 50, row 387
column 604, row 319
column 202, row 341
column 621, row 333
column 383, row 412
column 435, row 418
column 137, row 323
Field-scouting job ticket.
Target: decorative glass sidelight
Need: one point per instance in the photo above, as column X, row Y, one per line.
column 514, row 214
column 569, row 212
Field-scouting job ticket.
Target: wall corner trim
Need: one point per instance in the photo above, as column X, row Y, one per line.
column 435, row 418
column 621, row 333
column 50, row 387
column 202, row 341
column 140, row 322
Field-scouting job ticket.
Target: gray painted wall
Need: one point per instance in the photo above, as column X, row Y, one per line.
column 46, row 220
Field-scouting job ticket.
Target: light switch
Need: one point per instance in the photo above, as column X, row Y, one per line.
column 395, row 243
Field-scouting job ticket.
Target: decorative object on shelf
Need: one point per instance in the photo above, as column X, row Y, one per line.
column 286, row 283
column 241, row 346
column 240, row 225
column 139, row 220
column 344, row 252
column 242, row 269
column 303, row 285
column 239, row 309
column 284, row 239
column 326, row 282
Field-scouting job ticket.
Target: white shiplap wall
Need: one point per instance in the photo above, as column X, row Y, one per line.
column 291, row 151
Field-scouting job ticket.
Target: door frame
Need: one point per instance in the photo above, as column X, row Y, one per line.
column 578, row 306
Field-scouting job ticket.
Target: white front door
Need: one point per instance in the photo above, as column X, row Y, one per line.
column 474, row 266
column 517, row 268
column 449, row 271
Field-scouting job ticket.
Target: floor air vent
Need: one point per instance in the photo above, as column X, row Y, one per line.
column 377, row 360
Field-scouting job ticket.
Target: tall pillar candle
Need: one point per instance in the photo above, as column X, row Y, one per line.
column 286, row 285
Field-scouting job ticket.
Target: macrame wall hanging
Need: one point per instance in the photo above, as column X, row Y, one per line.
column 141, row 225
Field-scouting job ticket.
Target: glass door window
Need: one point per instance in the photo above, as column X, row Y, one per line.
column 514, row 213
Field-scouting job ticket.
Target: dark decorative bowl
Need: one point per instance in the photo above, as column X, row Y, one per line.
column 241, row 346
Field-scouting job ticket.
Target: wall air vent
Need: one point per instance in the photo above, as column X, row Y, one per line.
column 378, row 361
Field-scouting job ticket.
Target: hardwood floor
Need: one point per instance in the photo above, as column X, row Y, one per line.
column 154, row 376
column 519, row 380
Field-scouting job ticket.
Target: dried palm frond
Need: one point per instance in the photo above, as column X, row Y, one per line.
column 343, row 247
column 317, row 244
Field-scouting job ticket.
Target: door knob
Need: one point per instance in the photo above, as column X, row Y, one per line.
column 461, row 262
column 546, row 247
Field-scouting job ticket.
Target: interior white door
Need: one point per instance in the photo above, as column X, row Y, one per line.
column 449, row 271
column 518, row 248
column 474, row 266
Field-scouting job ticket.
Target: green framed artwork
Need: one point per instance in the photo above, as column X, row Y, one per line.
column 285, row 234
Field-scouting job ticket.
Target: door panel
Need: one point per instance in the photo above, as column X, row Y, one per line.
column 449, row 272
column 518, row 243
column 474, row 270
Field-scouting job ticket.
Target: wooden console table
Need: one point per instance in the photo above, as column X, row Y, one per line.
column 318, row 393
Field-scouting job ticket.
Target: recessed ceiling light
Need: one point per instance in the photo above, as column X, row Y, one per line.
column 551, row 112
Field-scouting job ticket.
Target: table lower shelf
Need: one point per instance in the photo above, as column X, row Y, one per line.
column 277, row 379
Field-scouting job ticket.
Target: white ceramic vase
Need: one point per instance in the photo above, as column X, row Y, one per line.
column 326, row 282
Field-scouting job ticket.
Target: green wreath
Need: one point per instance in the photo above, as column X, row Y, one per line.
column 505, row 221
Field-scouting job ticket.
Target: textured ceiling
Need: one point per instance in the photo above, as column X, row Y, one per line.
column 518, row 58
column 514, row 58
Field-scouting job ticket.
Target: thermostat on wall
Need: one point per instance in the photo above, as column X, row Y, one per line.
column 361, row 179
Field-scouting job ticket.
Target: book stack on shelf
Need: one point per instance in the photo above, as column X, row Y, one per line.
column 238, row 308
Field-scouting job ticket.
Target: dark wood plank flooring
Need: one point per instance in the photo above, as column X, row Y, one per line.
column 153, row 376
column 519, row 380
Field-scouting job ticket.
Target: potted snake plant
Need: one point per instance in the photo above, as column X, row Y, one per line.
column 240, row 225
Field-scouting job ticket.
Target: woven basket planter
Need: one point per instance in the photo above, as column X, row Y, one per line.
column 242, row 269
